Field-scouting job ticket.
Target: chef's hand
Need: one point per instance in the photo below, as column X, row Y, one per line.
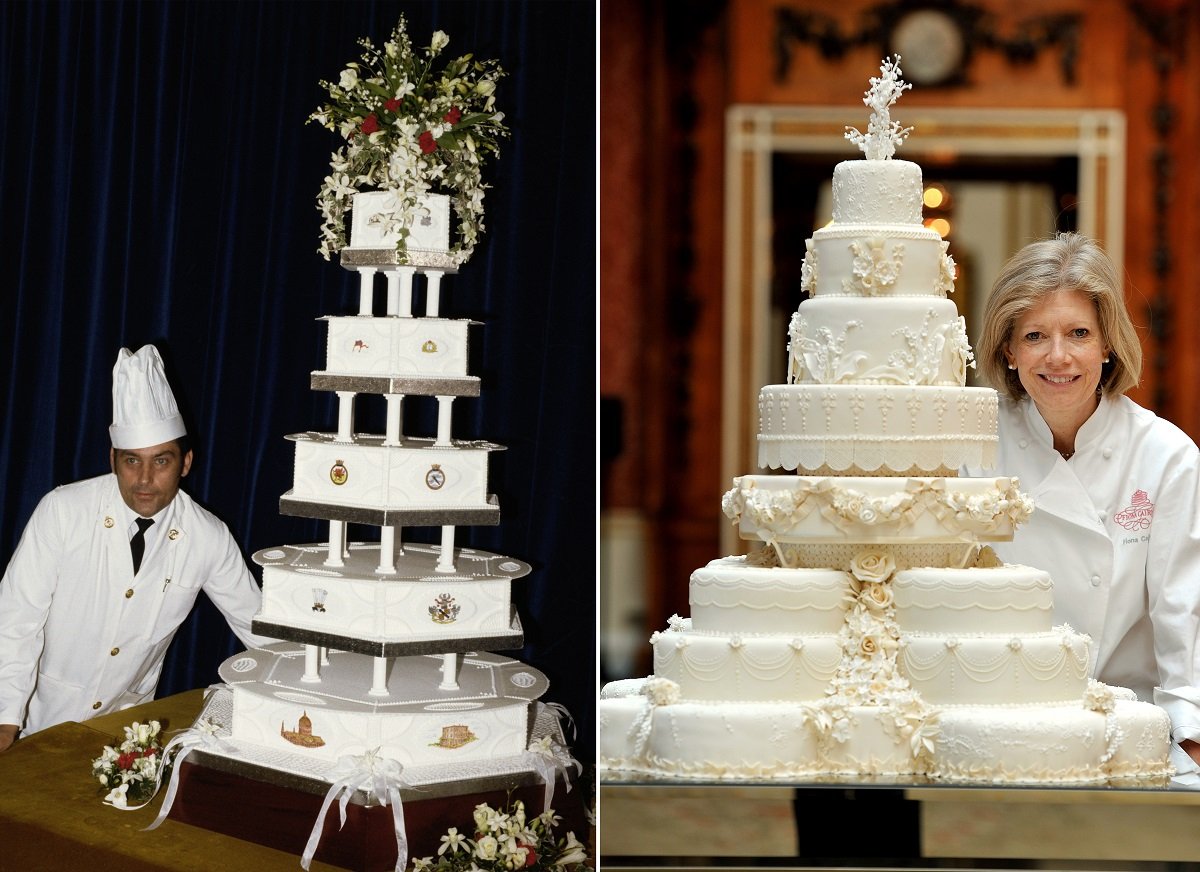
column 8, row 735
column 1192, row 748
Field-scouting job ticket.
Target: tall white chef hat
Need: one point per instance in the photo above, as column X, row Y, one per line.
column 144, row 409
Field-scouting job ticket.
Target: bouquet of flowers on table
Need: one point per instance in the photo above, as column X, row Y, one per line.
column 507, row 840
column 131, row 771
column 411, row 129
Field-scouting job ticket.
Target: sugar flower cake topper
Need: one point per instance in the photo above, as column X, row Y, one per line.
column 883, row 134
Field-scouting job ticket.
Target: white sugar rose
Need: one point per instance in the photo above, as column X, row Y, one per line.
column 872, row 565
column 661, row 691
column 877, row 596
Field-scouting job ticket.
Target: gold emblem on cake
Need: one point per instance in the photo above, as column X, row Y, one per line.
column 319, row 594
column 338, row 473
column 454, row 736
column 303, row 734
column 444, row 609
column 430, row 347
column 359, row 345
column 435, row 478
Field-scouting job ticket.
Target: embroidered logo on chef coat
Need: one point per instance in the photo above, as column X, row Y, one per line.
column 1137, row 516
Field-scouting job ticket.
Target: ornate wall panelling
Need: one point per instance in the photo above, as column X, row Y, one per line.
column 1162, row 39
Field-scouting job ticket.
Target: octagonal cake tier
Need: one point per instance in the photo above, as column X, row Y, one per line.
column 407, row 607
column 417, row 723
column 415, row 481
column 428, row 347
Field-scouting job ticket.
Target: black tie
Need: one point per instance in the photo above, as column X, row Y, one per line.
column 137, row 545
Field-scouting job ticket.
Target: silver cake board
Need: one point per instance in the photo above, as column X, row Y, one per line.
column 447, row 386
column 484, row 516
column 501, row 641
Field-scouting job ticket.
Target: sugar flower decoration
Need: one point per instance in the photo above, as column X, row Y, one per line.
column 883, row 134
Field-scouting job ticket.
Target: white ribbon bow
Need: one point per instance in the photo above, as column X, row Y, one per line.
column 548, row 758
column 380, row 778
column 202, row 734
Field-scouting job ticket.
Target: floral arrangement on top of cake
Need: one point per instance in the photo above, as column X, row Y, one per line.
column 413, row 130
column 883, row 134
column 506, row 840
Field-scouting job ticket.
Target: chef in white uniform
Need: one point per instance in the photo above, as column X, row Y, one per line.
column 82, row 631
column 1117, row 489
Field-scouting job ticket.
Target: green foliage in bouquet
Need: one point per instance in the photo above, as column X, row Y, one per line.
column 411, row 129
column 129, row 772
column 507, row 840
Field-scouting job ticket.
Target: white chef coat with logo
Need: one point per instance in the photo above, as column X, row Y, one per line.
column 80, row 634
column 1118, row 529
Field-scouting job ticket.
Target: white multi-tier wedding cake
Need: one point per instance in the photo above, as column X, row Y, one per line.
column 874, row 632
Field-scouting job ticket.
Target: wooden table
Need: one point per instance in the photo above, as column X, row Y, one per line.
column 52, row 816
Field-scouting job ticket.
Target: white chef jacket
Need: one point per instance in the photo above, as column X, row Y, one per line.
column 80, row 634
column 1118, row 529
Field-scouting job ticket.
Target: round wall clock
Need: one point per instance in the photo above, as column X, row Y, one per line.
column 931, row 45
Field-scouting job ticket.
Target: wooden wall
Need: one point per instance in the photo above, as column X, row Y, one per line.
column 669, row 71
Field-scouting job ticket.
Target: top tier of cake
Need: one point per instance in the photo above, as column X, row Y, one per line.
column 877, row 192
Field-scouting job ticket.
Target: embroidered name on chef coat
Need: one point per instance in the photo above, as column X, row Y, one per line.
column 1138, row 515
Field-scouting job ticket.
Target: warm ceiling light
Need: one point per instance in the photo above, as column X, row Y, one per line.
column 934, row 197
column 941, row 225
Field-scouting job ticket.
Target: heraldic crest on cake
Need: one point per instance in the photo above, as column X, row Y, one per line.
column 873, row 632
column 384, row 680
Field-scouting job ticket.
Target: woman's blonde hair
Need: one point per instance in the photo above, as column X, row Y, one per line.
column 1069, row 262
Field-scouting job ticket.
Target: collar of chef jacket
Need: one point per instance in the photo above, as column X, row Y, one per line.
column 1059, row 489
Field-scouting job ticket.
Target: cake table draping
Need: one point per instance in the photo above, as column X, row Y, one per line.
column 51, row 814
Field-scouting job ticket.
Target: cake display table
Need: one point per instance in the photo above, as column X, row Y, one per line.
column 649, row 822
column 51, row 813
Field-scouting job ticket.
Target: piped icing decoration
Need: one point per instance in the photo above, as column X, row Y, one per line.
column 883, row 134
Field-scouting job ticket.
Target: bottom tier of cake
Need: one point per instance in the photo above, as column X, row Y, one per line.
column 1102, row 737
column 427, row 710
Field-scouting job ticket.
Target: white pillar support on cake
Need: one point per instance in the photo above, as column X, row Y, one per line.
column 387, row 551
column 366, row 285
column 449, row 672
column 379, row 677
column 433, row 289
column 345, row 416
column 404, row 308
column 446, row 555
column 337, row 544
column 443, row 424
column 324, row 656
column 312, row 669
column 395, row 409
column 392, row 306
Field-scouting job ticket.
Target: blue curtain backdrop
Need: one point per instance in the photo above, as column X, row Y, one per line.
column 158, row 184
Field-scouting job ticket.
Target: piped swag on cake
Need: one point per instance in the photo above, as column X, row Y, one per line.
column 382, row 683
column 873, row 633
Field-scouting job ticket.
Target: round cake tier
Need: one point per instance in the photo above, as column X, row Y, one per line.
column 418, row 723
column 892, row 260
column 733, row 596
column 409, row 606
column 877, row 192
column 1004, row 599
column 729, row 667
column 792, row 508
column 876, row 429
column 1063, row 743
column 748, row 740
column 996, row 669
column 887, row 341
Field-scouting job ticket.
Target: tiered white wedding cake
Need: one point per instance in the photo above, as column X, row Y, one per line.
column 874, row 633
